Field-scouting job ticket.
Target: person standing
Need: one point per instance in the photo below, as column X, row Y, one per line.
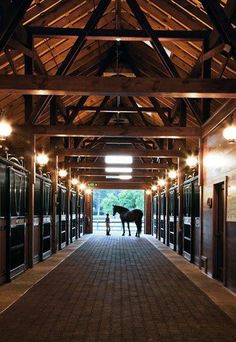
column 108, row 228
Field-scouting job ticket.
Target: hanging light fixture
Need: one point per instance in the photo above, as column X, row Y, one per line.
column 229, row 133
column 5, row 127
column 62, row 173
column 42, row 159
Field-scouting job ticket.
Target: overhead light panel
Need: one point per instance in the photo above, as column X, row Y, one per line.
column 119, row 159
column 118, row 169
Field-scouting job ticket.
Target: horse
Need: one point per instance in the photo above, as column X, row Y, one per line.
column 128, row 216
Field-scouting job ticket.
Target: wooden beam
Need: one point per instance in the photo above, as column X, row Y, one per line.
column 118, row 35
column 138, row 173
column 130, row 184
column 115, row 109
column 102, row 165
column 119, row 86
column 73, row 152
column 109, row 131
column 11, row 16
column 227, row 109
column 117, row 182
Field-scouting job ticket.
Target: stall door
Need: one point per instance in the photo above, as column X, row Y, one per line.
column 173, row 212
column 219, row 231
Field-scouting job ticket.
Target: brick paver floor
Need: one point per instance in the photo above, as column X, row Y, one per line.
column 115, row 289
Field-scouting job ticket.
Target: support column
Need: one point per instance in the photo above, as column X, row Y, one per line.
column 88, row 213
column 148, row 213
column 54, row 175
column 30, row 165
column 167, row 209
column 68, row 218
column 200, row 183
column 180, row 205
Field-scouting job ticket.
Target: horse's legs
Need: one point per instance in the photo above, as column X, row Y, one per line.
column 139, row 228
column 123, row 225
column 129, row 229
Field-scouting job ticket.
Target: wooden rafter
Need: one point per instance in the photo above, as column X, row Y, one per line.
column 160, row 51
column 74, row 51
column 221, row 22
column 12, row 15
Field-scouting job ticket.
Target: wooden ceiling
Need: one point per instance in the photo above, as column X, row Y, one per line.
column 170, row 63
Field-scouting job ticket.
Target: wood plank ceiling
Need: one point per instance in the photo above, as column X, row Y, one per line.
column 123, row 38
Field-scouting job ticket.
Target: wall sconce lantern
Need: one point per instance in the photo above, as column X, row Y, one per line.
column 172, row 174
column 74, row 181
column 5, row 127
column 42, row 159
column 229, row 133
column 161, row 182
column 192, row 161
column 62, row 173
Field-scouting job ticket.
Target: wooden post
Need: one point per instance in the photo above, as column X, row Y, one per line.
column 88, row 213
column 54, row 173
column 180, row 206
column 148, row 213
column 167, row 209
column 68, row 217
column 200, row 183
column 30, row 164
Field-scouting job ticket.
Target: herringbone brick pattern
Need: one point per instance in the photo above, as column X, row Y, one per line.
column 115, row 289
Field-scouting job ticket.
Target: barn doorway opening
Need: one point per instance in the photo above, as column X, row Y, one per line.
column 103, row 201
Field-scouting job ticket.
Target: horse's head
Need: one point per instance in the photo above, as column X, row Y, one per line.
column 114, row 210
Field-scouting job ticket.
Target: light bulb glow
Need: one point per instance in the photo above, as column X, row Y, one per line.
column 161, row 182
column 229, row 133
column 74, row 181
column 148, row 192
column 62, row 173
column 82, row 186
column 42, row 159
column 125, row 177
column 122, row 159
column 5, row 129
column 118, row 169
column 154, row 187
column 192, row 161
column 172, row 174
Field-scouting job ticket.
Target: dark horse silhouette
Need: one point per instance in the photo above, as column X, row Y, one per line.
column 128, row 216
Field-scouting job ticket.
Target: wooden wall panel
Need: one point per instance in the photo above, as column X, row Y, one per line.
column 219, row 162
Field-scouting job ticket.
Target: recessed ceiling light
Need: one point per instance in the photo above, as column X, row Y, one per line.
column 118, row 169
column 125, row 177
column 119, row 159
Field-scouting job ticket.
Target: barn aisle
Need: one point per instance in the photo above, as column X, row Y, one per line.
column 115, row 289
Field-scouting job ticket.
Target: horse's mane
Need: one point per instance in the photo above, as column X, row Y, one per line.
column 119, row 206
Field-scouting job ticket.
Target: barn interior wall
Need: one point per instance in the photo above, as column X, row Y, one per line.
column 219, row 165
